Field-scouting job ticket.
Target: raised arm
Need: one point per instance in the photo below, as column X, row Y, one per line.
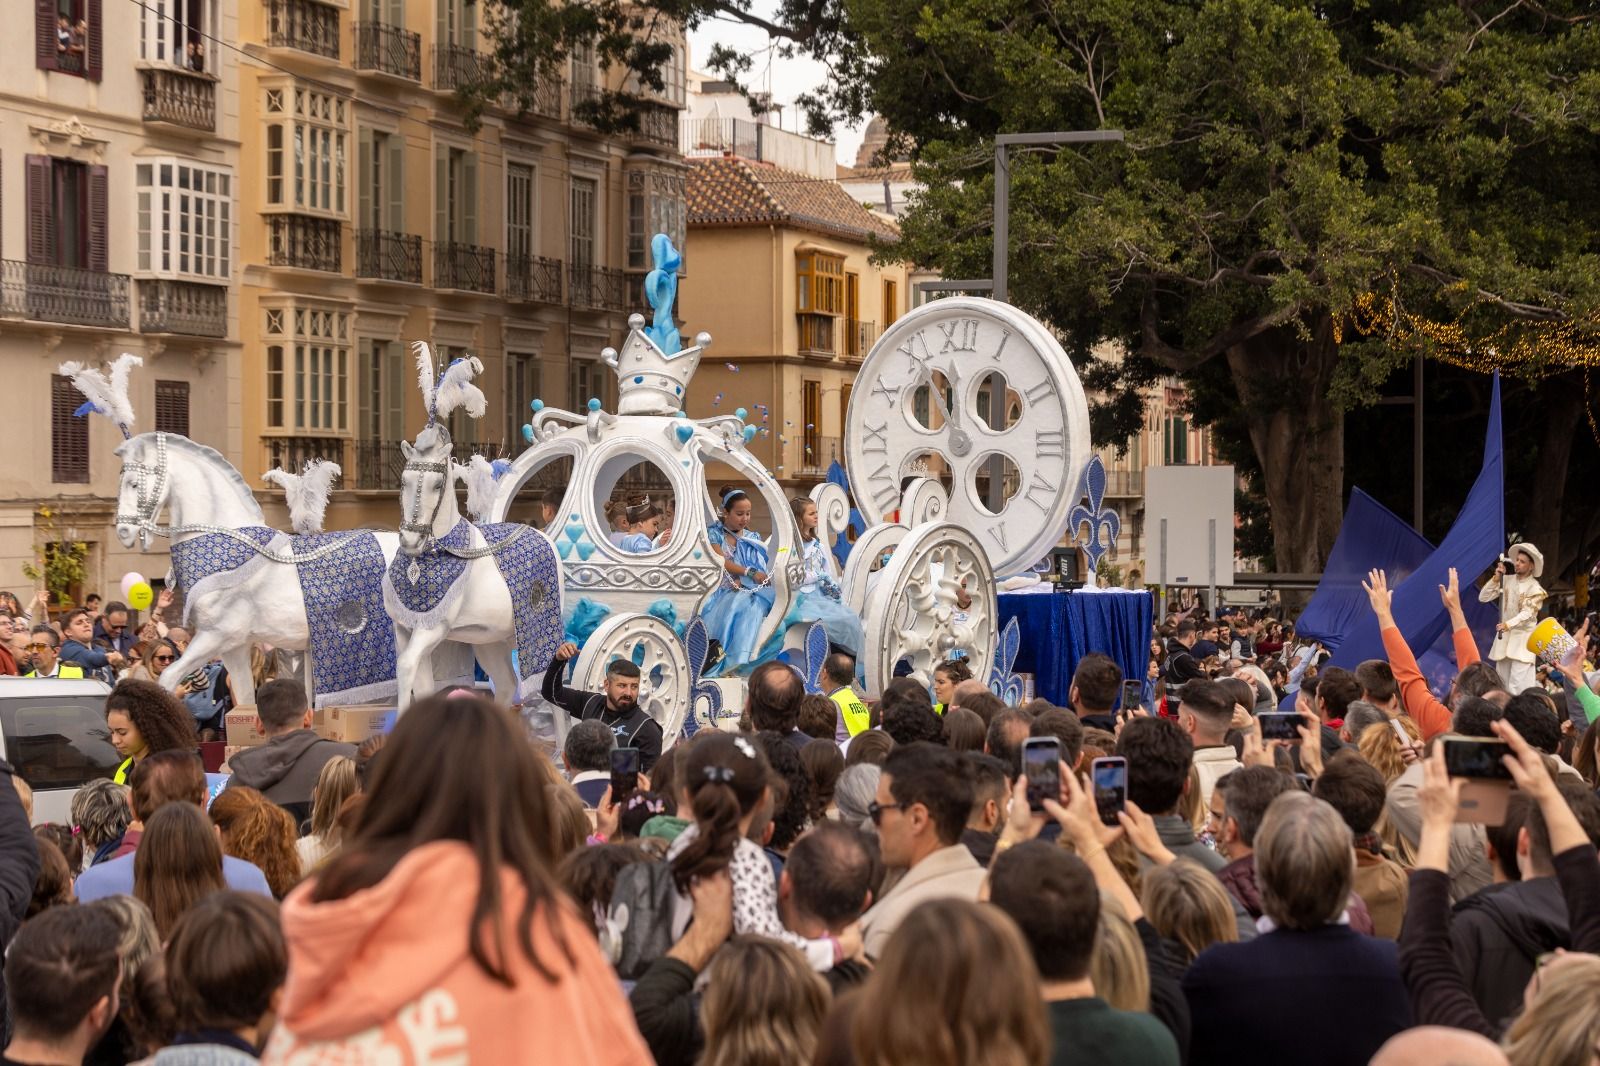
column 1466, row 648
column 1431, row 716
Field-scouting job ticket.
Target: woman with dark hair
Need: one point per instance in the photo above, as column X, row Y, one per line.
column 735, row 611
column 224, row 967
column 724, row 787
column 946, row 676
column 964, row 730
column 145, row 718
column 823, row 764
column 443, row 904
column 644, row 522
column 255, row 829
column 179, row 863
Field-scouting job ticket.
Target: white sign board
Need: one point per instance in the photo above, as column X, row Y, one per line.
column 1196, row 503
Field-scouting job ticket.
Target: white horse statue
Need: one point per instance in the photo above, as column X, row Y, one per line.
column 496, row 587
column 245, row 583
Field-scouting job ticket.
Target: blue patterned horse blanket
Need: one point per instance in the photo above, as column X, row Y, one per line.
column 420, row 590
column 351, row 637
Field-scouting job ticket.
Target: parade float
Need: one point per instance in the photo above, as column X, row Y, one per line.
column 383, row 616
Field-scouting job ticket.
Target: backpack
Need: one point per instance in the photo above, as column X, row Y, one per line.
column 638, row 926
column 211, row 700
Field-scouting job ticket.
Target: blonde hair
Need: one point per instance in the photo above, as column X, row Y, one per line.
column 1380, row 747
column 763, row 1005
column 1118, row 968
column 1560, row 1027
column 1191, row 807
column 1305, row 862
column 956, row 985
column 336, row 783
column 1186, row 903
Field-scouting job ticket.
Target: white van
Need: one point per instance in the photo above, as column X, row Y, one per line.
column 53, row 731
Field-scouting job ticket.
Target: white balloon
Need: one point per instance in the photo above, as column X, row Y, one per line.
column 130, row 579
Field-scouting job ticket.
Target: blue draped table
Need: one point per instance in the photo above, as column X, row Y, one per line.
column 1060, row 628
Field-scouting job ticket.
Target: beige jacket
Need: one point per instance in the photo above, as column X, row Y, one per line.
column 1211, row 765
column 949, row 873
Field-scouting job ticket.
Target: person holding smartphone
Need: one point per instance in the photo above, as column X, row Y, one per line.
column 617, row 706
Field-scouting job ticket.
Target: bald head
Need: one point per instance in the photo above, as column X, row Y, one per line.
column 1435, row 1045
column 970, row 687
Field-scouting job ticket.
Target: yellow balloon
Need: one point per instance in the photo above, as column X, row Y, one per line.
column 140, row 596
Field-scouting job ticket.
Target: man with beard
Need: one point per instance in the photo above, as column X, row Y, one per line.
column 617, row 707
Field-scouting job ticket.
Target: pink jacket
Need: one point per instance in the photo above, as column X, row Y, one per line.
column 385, row 976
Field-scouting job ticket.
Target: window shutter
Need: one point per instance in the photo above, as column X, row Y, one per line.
column 44, row 34
column 441, row 32
column 69, row 435
column 396, row 11
column 441, row 187
column 99, row 257
column 469, row 197
column 366, row 389
column 396, row 164
column 41, row 234
column 394, row 422
column 172, row 407
column 364, row 181
column 469, row 25
column 94, row 49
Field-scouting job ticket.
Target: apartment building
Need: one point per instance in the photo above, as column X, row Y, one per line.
column 119, row 171
column 373, row 217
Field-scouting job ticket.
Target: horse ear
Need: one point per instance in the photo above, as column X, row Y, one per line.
column 407, row 451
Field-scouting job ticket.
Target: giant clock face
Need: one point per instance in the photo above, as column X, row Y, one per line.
column 917, row 394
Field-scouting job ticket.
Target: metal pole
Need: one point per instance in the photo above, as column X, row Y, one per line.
column 1163, row 568
column 1211, row 567
column 1002, row 220
column 1416, row 445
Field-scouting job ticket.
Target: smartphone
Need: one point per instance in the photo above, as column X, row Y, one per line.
column 1400, row 732
column 1476, row 758
column 1131, row 691
column 624, row 772
column 1109, row 777
column 1280, row 725
column 1041, row 765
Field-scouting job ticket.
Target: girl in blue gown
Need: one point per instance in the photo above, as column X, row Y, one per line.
column 819, row 598
column 644, row 521
column 734, row 612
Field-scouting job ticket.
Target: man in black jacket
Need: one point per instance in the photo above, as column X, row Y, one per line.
column 285, row 769
column 19, row 868
column 1181, row 665
column 617, row 707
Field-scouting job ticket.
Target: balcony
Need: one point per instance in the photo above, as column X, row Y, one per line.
column 304, row 242
column 455, row 66
column 756, row 141
column 1125, row 483
column 468, row 267
column 67, row 295
column 185, row 307
column 583, row 93
column 292, row 453
column 658, row 128
column 304, row 25
column 385, row 256
column 595, row 288
column 178, row 98
column 816, row 335
column 378, row 465
column 810, row 454
column 533, row 277
column 859, row 337
column 389, row 50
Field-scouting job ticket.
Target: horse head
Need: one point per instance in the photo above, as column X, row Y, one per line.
column 142, row 494
column 427, row 489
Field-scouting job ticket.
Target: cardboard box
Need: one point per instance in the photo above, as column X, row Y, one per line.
column 228, row 754
column 352, row 725
column 241, row 728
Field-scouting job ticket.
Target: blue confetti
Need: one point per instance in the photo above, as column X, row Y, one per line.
column 731, row 367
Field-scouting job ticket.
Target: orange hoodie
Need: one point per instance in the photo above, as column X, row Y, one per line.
column 385, row 977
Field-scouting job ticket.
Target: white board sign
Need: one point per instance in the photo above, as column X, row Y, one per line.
column 1190, row 499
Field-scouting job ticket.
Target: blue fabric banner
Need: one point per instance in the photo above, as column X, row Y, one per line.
column 1058, row 629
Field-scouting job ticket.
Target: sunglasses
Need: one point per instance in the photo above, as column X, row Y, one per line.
column 162, row 658
column 41, row 647
column 875, row 810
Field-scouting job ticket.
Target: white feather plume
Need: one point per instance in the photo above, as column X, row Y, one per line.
column 479, row 477
column 108, row 395
column 306, row 492
column 456, row 389
column 425, row 376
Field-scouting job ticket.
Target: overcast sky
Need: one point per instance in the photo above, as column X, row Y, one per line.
column 785, row 79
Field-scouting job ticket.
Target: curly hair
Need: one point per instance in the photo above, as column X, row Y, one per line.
column 163, row 723
column 259, row 831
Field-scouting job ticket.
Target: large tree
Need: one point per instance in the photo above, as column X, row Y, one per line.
column 1309, row 195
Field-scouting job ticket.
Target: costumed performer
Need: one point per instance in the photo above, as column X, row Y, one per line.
column 735, row 611
column 644, row 522
column 820, row 598
column 1521, row 596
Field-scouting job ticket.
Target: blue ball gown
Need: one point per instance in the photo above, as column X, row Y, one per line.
column 637, row 543
column 735, row 611
column 819, row 600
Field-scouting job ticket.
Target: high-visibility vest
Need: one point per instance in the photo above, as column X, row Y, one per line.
column 854, row 713
column 121, row 776
column 66, row 671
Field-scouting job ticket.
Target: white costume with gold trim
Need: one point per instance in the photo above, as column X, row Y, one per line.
column 1521, row 599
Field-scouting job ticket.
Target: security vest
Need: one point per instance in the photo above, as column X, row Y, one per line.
column 852, row 711
column 68, row 671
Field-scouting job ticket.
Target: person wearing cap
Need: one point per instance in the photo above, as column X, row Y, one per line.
column 1521, row 596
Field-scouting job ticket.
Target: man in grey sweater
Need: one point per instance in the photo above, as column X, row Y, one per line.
column 285, row 769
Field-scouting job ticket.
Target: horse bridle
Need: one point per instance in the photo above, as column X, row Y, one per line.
column 412, row 525
column 151, row 487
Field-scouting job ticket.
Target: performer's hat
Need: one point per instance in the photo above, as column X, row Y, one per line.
column 1532, row 553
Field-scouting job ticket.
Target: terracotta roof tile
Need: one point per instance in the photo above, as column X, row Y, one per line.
column 737, row 192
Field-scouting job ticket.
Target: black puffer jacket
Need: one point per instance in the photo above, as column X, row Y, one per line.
column 1498, row 934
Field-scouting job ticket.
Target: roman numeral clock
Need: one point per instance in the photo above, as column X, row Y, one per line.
column 918, row 395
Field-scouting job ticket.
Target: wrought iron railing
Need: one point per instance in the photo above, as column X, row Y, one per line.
column 63, row 294
column 305, row 242
column 533, row 277
column 469, row 267
column 816, row 335
column 377, row 465
column 1124, row 482
column 811, row 453
column 185, row 307
column 179, row 98
column 859, row 337
column 455, row 66
column 658, row 127
column 304, row 25
column 292, row 453
column 595, row 288
column 388, row 256
column 389, row 49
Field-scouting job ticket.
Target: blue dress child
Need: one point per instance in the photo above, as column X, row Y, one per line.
column 735, row 611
